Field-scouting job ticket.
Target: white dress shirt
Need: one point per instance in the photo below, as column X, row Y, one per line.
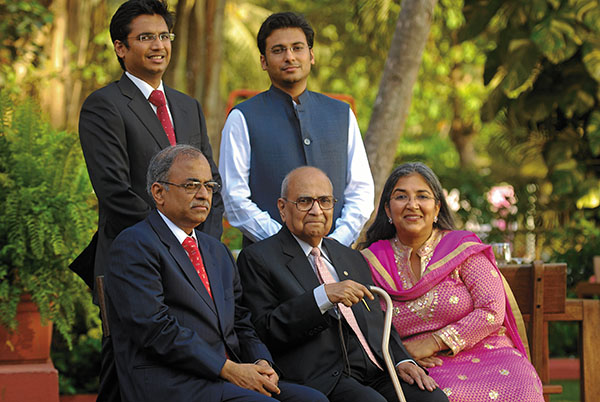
column 319, row 292
column 244, row 214
column 147, row 90
column 177, row 231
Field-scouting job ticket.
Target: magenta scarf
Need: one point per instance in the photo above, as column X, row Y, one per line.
column 453, row 249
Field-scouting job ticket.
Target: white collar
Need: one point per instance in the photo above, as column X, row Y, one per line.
column 307, row 248
column 177, row 231
column 143, row 85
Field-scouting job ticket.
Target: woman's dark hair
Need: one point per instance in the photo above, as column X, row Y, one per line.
column 283, row 20
column 121, row 20
column 381, row 228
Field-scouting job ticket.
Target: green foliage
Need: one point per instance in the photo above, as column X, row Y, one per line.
column 563, row 336
column 231, row 237
column 571, row 391
column 19, row 22
column 543, row 111
column 46, row 215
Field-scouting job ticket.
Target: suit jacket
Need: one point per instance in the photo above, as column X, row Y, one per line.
column 170, row 338
column 119, row 134
column 278, row 282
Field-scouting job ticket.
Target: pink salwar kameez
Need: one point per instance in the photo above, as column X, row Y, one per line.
column 459, row 297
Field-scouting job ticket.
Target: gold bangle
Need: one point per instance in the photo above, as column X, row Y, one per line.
column 437, row 342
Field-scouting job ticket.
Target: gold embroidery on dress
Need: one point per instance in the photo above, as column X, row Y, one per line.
column 462, row 377
column 447, row 391
column 452, row 338
column 502, row 331
column 453, row 299
column 504, row 372
column 488, row 346
column 494, row 273
column 476, row 360
column 493, row 395
column 425, row 305
column 490, row 318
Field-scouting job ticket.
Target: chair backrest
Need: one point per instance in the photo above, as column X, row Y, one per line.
column 539, row 289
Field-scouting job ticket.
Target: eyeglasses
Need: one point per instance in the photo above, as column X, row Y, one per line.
column 148, row 37
column 405, row 199
column 192, row 187
column 295, row 49
column 304, row 204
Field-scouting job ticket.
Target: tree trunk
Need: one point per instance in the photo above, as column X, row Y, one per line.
column 71, row 49
column 197, row 59
column 395, row 90
column 53, row 95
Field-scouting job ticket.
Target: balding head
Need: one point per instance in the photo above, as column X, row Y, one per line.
column 299, row 188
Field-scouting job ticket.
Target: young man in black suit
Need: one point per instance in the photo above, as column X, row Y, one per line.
column 120, row 129
column 311, row 306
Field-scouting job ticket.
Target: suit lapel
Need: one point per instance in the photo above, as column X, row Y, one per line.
column 142, row 109
column 298, row 263
column 180, row 116
column 180, row 256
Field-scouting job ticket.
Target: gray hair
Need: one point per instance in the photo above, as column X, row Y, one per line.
column 286, row 180
column 161, row 163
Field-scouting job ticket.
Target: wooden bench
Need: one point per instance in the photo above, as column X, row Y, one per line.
column 540, row 292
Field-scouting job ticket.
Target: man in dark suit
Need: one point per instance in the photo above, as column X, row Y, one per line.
column 311, row 307
column 178, row 331
column 121, row 129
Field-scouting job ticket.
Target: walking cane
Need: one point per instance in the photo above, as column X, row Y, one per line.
column 386, row 341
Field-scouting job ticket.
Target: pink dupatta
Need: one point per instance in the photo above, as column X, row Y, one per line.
column 453, row 249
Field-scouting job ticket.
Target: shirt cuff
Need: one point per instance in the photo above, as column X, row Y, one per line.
column 321, row 299
column 406, row 360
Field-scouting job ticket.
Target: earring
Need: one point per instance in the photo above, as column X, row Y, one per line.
column 435, row 219
column 390, row 220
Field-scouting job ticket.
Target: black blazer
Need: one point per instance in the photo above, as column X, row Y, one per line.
column 119, row 134
column 278, row 283
column 169, row 337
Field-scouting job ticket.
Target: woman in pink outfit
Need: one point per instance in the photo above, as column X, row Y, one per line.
column 450, row 307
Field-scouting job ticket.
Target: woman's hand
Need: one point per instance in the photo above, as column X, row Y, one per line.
column 422, row 348
column 430, row 361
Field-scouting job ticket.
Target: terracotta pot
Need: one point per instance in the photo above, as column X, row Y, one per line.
column 30, row 342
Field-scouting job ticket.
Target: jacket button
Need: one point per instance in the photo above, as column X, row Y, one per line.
column 335, row 373
column 307, row 141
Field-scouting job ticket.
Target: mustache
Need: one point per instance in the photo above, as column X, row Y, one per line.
column 201, row 203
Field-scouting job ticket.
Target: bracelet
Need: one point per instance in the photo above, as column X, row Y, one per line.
column 437, row 342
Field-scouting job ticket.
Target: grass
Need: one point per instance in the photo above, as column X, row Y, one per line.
column 570, row 391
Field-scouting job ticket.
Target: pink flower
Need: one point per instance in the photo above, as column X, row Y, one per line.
column 502, row 197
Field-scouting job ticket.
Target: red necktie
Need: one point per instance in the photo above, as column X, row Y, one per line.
column 157, row 98
column 326, row 277
column 189, row 244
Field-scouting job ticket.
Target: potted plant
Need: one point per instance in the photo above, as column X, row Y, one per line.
column 46, row 217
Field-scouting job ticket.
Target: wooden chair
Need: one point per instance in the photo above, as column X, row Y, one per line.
column 540, row 292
